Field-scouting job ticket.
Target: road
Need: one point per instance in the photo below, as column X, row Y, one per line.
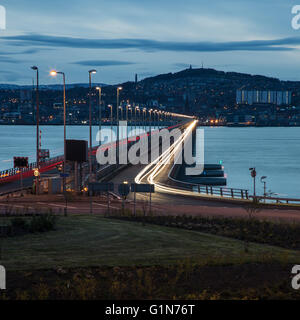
column 173, row 201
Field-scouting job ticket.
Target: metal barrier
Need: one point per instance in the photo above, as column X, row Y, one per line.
column 270, row 200
column 222, row 192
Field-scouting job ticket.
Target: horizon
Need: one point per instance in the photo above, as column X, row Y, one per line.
column 145, row 78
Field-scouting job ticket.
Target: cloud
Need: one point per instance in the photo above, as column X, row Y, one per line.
column 103, row 63
column 9, row 76
column 5, row 59
column 284, row 44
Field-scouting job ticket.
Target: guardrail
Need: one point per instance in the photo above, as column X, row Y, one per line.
column 271, row 200
column 223, row 192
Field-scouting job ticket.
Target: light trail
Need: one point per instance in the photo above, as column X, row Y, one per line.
column 151, row 171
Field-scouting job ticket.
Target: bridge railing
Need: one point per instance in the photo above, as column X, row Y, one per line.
column 224, row 192
column 277, row 200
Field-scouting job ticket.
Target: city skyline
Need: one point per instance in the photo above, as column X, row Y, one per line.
column 146, row 38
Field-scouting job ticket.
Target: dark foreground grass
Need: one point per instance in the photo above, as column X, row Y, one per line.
column 91, row 241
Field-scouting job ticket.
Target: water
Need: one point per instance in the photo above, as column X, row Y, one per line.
column 21, row 141
column 275, row 152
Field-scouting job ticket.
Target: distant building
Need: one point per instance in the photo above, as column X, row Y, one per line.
column 58, row 106
column 263, row 97
column 12, row 116
column 25, row 95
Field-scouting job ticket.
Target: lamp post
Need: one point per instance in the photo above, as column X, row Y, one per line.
column 262, row 179
column 118, row 132
column 121, row 108
column 90, row 121
column 127, row 107
column 37, row 183
column 111, row 122
column 144, row 117
column 135, row 119
column 100, row 112
column 54, row 73
column 131, row 111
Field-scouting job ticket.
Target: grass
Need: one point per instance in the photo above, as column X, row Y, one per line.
column 91, row 241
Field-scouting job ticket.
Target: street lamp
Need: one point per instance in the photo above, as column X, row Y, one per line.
column 118, row 133
column 262, row 180
column 121, row 108
column 127, row 107
column 37, row 183
column 90, row 121
column 111, row 122
column 54, row 73
column 131, row 112
column 144, row 117
column 135, row 119
column 100, row 112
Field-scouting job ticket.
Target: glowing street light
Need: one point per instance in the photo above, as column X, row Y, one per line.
column 262, row 180
column 37, row 184
column 118, row 132
column 100, row 112
column 90, row 121
column 54, row 73
column 111, row 122
column 93, row 71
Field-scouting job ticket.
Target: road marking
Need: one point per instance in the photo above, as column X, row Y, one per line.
column 62, row 206
column 104, row 205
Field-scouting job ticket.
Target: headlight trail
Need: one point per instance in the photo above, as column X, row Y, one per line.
column 151, row 171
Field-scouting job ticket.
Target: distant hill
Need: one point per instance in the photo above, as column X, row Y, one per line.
column 202, row 74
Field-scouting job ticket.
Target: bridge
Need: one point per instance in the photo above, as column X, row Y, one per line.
column 171, row 194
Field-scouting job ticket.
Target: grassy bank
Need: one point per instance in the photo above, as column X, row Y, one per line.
column 87, row 241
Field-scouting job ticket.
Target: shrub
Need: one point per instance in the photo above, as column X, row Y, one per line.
column 42, row 223
column 19, row 223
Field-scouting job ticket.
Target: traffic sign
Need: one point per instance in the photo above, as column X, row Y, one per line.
column 101, row 187
column 124, row 189
column 20, row 162
column 143, row 188
column 64, row 175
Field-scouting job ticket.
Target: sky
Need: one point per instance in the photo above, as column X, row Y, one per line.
column 147, row 37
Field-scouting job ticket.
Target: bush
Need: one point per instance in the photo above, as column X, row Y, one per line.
column 42, row 223
column 19, row 223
